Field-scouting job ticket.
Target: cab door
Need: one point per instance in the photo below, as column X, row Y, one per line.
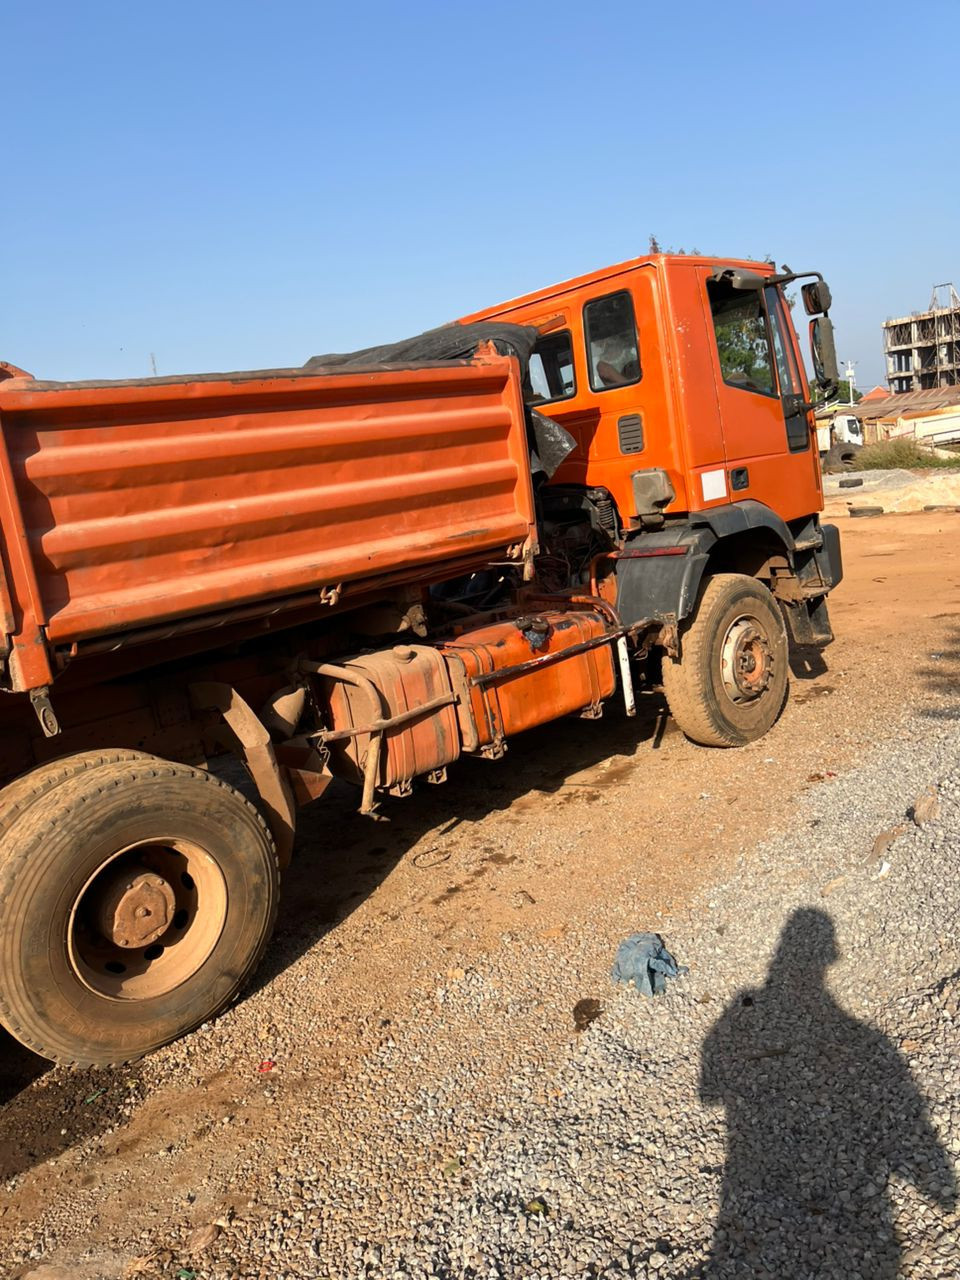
column 761, row 393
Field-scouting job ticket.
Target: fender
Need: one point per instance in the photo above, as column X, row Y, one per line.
column 659, row 573
column 739, row 517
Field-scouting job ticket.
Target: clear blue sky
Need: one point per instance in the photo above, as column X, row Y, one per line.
column 242, row 185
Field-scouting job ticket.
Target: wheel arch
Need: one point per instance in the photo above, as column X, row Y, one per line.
column 742, row 517
column 661, row 575
column 755, row 553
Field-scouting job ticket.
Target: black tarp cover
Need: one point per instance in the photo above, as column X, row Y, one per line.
column 549, row 442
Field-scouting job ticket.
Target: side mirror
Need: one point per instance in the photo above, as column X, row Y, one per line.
column 824, row 353
column 816, row 297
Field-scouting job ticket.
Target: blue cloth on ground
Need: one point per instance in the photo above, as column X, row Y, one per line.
column 643, row 960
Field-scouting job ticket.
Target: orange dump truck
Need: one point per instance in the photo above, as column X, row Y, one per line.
column 367, row 568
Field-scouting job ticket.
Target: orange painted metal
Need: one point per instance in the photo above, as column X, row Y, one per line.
column 389, row 684
column 131, row 504
column 693, row 422
column 492, row 710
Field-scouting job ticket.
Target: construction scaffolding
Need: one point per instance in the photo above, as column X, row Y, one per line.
column 923, row 349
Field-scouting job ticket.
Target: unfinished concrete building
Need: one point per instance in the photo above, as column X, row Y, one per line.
column 923, row 349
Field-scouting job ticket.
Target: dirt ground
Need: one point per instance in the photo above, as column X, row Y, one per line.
column 623, row 815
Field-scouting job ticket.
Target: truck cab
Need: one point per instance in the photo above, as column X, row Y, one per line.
column 664, row 364
column 694, row 457
column 844, row 434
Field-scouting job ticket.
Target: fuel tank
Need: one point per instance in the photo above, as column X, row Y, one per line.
column 411, row 709
column 513, row 675
column 404, row 683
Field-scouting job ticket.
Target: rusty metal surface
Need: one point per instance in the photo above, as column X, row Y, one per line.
column 20, row 598
column 127, row 505
column 390, row 715
column 136, row 906
column 250, row 742
column 502, row 693
column 306, row 769
column 904, row 403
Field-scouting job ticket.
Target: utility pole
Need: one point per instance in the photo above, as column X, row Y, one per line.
column 153, row 363
column 851, row 378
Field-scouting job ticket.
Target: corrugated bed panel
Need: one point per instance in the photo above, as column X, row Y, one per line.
column 144, row 507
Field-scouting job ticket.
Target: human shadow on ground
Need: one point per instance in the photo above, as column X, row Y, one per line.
column 821, row 1113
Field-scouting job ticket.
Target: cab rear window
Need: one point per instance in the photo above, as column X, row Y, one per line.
column 550, row 375
column 613, row 356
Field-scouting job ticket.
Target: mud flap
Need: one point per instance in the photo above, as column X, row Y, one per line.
column 808, row 621
column 828, row 557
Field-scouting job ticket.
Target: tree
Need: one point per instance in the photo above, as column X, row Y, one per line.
column 842, row 395
column 657, row 247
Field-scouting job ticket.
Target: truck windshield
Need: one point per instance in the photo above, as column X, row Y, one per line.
column 742, row 340
column 550, row 374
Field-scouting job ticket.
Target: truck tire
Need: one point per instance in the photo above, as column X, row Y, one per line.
column 134, row 903
column 730, row 683
column 29, row 787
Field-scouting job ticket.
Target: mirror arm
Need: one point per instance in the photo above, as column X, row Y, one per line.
column 787, row 276
column 796, row 404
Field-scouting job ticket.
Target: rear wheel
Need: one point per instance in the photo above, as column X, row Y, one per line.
column 730, row 683
column 134, row 902
column 24, row 791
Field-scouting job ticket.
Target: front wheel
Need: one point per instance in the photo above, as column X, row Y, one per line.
column 134, row 902
column 730, row 683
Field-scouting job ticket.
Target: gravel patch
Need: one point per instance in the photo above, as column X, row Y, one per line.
column 789, row 1108
column 894, row 478
column 894, row 490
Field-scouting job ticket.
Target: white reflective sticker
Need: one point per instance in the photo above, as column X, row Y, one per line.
column 713, row 484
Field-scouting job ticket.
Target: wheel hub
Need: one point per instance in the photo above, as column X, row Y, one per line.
column 746, row 661
column 136, row 908
column 147, row 919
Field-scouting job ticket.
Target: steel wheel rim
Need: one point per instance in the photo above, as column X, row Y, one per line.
column 191, row 890
column 746, row 660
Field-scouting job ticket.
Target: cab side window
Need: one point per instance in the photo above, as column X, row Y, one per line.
column 550, row 374
column 791, row 382
column 742, row 340
column 613, row 356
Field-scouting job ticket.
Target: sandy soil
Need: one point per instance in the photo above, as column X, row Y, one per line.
column 895, row 491
column 620, row 814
